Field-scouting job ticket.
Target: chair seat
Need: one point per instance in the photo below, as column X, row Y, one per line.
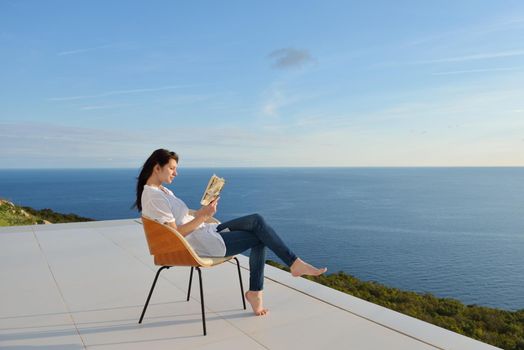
column 173, row 259
column 215, row 260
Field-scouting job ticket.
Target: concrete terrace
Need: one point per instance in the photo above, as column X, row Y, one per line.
column 83, row 286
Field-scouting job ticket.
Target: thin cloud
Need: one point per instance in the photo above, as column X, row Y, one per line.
column 96, row 107
column 477, row 31
column 117, row 92
column 88, row 49
column 466, row 58
column 290, row 58
column 504, row 24
column 276, row 98
column 476, row 71
column 480, row 56
column 54, row 145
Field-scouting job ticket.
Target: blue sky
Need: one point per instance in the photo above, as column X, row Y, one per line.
column 262, row 83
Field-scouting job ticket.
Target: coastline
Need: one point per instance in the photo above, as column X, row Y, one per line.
column 14, row 215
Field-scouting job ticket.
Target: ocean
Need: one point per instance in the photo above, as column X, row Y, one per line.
column 452, row 232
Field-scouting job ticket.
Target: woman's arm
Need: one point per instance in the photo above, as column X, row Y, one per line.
column 201, row 216
column 188, row 227
column 210, row 220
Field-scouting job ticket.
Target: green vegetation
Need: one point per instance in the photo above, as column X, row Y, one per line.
column 13, row 215
column 504, row 329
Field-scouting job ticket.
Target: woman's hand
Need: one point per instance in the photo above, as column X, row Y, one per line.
column 209, row 210
column 201, row 216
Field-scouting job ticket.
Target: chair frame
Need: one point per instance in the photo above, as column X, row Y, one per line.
column 198, row 263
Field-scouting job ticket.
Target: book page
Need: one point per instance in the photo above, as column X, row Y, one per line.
column 213, row 189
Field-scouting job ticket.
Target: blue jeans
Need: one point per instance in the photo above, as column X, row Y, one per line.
column 253, row 232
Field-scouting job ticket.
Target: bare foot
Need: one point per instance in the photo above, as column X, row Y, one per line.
column 255, row 299
column 300, row 268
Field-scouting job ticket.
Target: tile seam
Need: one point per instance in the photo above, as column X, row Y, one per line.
column 58, row 288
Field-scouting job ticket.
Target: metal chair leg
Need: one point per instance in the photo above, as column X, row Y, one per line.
column 241, row 285
column 190, row 280
column 189, row 291
column 202, row 300
column 151, row 292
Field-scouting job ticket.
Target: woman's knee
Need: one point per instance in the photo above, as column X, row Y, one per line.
column 258, row 219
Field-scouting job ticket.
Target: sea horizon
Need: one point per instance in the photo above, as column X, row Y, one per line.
column 292, row 167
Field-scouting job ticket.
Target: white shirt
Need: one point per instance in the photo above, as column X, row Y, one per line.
column 163, row 206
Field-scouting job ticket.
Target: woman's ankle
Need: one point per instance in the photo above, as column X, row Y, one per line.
column 296, row 263
column 254, row 294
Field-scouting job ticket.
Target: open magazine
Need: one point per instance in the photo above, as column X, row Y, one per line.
column 213, row 189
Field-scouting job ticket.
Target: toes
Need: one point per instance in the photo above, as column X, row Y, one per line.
column 262, row 312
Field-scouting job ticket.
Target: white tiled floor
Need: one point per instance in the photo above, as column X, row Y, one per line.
column 83, row 286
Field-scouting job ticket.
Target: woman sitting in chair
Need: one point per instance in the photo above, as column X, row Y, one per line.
column 225, row 239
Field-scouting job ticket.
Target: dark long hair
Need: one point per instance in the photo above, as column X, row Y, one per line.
column 161, row 157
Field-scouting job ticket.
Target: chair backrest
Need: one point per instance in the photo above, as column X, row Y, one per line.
column 168, row 246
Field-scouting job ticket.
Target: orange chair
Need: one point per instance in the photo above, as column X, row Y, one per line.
column 170, row 248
